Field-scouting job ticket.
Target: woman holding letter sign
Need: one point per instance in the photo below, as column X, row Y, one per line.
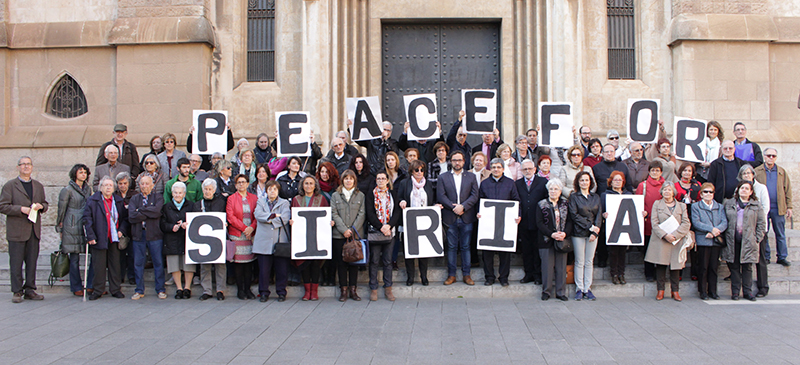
column 310, row 269
column 271, row 213
column 584, row 210
column 616, row 254
column 348, row 212
column 670, row 227
column 746, row 228
column 173, row 224
column 414, row 192
column 383, row 215
column 241, row 227
column 709, row 223
column 554, row 223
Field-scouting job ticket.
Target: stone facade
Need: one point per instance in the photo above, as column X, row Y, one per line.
column 148, row 63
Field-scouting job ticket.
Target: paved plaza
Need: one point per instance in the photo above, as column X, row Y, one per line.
column 64, row 330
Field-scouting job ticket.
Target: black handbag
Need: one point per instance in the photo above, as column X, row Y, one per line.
column 59, row 266
column 282, row 249
column 564, row 246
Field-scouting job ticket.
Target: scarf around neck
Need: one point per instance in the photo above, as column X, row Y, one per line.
column 383, row 204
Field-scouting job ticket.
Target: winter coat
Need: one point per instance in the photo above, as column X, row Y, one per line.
column 138, row 212
column 235, row 213
column 704, row 219
column 376, row 152
column 567, row 176
column 348, row 213
column 95, row 223
column 545, row 221
column 174, row 242
column 129, row 157
column 270, row 231
column 71, row 202
column 289, row 186
column 659, row 250
column 753, row 230
column 194, row 189
column 602, row 171
column 652, row 188
column 783, row 185
column 216, row 204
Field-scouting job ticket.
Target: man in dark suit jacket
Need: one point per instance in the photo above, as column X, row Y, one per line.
column 457, row 192
column 527, row 229
column 111, row 168
column 18, row 197
column 489, row 145
column 498, row 187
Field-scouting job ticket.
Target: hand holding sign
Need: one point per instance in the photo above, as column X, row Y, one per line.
column 421, row 116
column 423, row 232
column 555, row 124
column 480, row 107
column 294, row 129
column 366, row 116
column 497, row 225
column 623, row 226
column 205, row 238
column 311, row 233
column 209, row 129
column 689, row 136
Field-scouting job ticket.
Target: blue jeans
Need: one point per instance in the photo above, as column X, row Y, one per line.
column 75, row 283
column 779, row 225
column 139, row 257
column 458, row 236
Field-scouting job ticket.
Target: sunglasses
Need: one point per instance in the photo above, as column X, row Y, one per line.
column 613, row 138
column 418, row 170
column 169, row 141
column 771, row 156
column 575, row 155
column 707, row 192
column 149, row 163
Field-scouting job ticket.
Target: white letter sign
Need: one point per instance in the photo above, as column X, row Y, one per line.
column 421, row 116
column 210, row 132
column 366, row 116
column 311, row 234
column 497, row 226
column 294, row 134
column 480, row 107
column 643, row 120
column 689, row 134
column 625, row 224
column 555, row 124
column 423, row 232
column 205, row 238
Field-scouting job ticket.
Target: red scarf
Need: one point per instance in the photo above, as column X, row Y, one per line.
column 383, row 204
column 326, row 186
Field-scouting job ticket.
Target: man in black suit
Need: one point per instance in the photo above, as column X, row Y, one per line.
column 527, row 229
column 489, row 145
column 457, row 192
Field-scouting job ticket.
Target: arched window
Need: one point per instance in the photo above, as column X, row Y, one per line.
column 261, row 40
column 621, row 36
column 66, row 100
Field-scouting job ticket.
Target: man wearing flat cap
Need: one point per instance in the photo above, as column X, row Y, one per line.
column 127, row 150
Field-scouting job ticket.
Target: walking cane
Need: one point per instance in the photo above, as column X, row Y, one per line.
column 85, row 267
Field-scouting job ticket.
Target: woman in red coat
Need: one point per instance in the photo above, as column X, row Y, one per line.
column 651, row 189
column 241, row 228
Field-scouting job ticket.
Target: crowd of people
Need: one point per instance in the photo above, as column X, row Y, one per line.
column 133, row 215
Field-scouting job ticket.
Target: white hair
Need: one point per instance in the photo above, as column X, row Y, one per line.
column 554, row 182
column 208, row 182
column 110, row 148
column 178, row 185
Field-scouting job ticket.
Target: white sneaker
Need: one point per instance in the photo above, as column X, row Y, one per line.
column 162, row 295
column 137, row 296
column 170, row 281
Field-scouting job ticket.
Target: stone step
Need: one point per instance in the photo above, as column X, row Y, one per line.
column 601, row 288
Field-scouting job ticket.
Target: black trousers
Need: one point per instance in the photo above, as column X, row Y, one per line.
column 243, row 271
column 126, row 263
column 380, row 258
column 26, row 252
column 310, row 271
column 661, row 278
column 762, row 278
column 265, row 265
column 106, row 261
column 741, row 274
column 488, row 265
column 707, row 265
column 601, row 254
column 473, row 245
column 649, row 267
column 529, row 249
column 617, row 256
column 348, row 274
column 423, row 268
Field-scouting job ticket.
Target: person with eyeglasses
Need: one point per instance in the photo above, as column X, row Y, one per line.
column 723, row 172
column 489, row 144
column 377, row 148
column 573, row 166
column 709, row 222
column 111, row 168
column 651, row 189
column 603, row 169
column 457, row 140
column 498, row 187
column 780, row 202
column 457, row 192
column 127, row 154
column 242, row 225
column 637, row 164
column 747, row 150
column 105, row 220
column 616, row 254
column 169, row 158
column 665, row 246
column 746, row 228
column 225, row 184
column 583, row 138
column 554, row 224
column 195, row 163
column 620, row 152
column 152, row 169
column 337, row 156
column 527, row 232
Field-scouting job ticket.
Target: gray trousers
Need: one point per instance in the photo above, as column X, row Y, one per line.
column 26, row 252
column 219, row 276
column 554, row 267
column 380, row 256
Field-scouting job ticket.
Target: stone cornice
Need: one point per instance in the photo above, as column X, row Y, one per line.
column 734, row 27
column 129, row 31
